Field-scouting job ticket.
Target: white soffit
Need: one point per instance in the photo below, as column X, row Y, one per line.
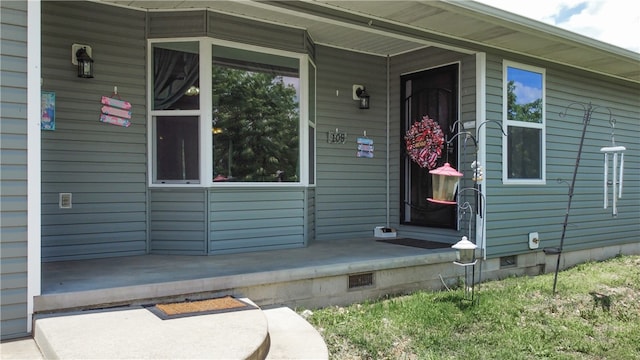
column 394, row 27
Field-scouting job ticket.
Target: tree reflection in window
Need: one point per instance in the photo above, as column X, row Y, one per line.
column 255, row 122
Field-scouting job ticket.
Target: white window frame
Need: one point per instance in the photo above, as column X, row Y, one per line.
column 311, row 182
column 206, row 117
column 521, row 124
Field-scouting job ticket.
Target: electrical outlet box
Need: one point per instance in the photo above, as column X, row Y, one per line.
column 534, row 240
column 64, row 201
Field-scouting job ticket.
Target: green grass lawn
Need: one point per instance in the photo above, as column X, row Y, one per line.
column 594, row 315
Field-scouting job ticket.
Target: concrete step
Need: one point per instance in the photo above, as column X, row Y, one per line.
column 292, row 337
column 136, row 333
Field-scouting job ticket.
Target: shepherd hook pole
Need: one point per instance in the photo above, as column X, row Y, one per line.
column 586, row 119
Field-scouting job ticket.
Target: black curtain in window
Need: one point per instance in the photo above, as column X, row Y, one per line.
column 174, row 72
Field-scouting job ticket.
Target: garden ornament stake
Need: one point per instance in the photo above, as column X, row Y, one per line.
column 465, row 207
column 588, row 111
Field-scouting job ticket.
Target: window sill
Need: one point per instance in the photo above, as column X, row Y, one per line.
column 221, row 185
column 524, row 182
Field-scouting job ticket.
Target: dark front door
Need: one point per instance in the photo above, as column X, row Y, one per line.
column 433, row 93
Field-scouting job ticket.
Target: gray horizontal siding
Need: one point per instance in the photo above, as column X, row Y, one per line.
column 514, row 210
column 226, row 27
column 467, row 149
column 178, row 221
column 256, row 219
column 311, row 215
column 88, row 158
column 225, row 220
column 351, row 194
column 342, row 178
column 177, row 24
column 234, row 28
column 103, row 166
column 13, row 169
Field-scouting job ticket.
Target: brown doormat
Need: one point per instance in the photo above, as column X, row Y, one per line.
column 423, row 244
column 199, row 307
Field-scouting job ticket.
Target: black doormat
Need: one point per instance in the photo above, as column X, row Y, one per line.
column 423, row 244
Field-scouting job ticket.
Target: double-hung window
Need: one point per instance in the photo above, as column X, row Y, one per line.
column 176, row 113
column 523, row 155
column 225, row 113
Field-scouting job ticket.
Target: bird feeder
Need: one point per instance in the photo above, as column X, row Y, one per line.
column 445, row 184
column 465, row 252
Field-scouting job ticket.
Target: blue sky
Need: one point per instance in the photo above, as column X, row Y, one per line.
column 616, row 22
column 528, row 85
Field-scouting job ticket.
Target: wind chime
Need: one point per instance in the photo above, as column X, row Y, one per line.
column 617, row 166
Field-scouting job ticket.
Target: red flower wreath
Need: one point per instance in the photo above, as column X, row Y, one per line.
column 424, row 142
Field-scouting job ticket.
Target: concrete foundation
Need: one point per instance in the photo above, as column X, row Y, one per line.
column 312, row 277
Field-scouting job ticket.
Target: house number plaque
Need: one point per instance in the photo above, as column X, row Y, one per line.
column 336, row 137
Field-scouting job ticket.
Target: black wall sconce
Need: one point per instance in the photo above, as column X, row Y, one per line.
column 81, row 57
column 360, row 94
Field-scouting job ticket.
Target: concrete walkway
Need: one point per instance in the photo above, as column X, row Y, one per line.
column 136, row 333
column 25, row 348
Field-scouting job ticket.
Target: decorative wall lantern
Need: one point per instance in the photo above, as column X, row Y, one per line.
column 445, row 184
column 465, row 252
column 363, row 97
column 84, row 62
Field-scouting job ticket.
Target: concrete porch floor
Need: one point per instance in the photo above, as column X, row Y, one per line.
column 140, row 279
column 310, row 277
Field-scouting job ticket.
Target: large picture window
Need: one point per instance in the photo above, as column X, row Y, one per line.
column 524, row 119
column 256, row 116
column 224, row 113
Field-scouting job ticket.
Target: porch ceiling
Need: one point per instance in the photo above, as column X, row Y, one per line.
column 394, row 27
